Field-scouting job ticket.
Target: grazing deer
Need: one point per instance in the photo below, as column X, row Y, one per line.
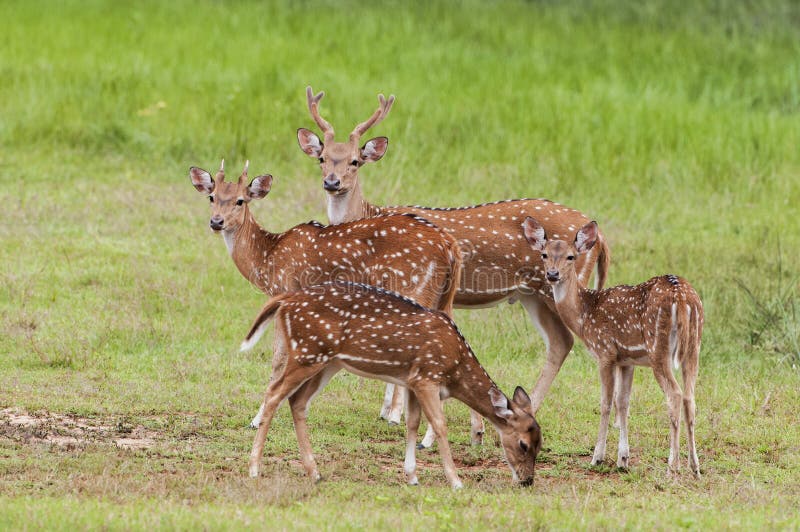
column 381, row 335
column 404, row 253
column 657, row 323
column 498, row 264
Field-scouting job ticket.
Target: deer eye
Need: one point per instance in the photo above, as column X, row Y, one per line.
column 523, row 446
column 239, row 202
column 570, row 257
column 544, row 255
column 211, row 199
column 354, row 162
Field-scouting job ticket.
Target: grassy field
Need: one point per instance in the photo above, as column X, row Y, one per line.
column 123, row 398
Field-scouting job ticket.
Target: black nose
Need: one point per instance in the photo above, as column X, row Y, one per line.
column 216, row 223
column 331, row 183
column 552, row 276
column 527, row 482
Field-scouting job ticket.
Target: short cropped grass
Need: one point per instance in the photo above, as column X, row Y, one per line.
column 674, row 124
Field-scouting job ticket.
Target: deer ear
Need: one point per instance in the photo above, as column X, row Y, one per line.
column 260, row 186
column 500, row 403
column 374, row 149
column 201, row 180
column 521, row 398
column 586, row 237
column 309, row 142
column 534, row 233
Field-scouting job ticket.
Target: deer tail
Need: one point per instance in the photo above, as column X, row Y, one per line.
column 453, row 278
column 268, row 312
column 601, row 266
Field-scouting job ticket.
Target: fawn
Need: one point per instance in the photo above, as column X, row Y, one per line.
column 658, row 323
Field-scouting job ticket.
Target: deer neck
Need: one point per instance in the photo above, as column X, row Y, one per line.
column 571, row 299
column 475, row 392
column 250, row 245
column 350, row 206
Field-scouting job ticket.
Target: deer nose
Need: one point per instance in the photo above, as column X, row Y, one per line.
column 331, row 182
column 552, row 275
column 216, row 223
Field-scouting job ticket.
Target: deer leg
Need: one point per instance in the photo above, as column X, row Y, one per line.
column 617, row 383
column 672, row 391
column 429, row 438
column 558, row 340
column 278, row 390
column 278, row 365
column 428, row 397
column 476, row 428
column 622, row 388
column 689, row 371
column 388, row 394
column 299, row 403
column 476, row 432
column 606, row 395
column 396, row 410
column 412, row 429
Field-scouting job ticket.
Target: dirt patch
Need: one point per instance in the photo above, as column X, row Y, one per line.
column 69, row 431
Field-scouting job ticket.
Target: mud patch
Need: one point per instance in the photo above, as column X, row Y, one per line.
column 70, row 432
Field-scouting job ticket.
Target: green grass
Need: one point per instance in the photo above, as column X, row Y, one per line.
column 674, row 124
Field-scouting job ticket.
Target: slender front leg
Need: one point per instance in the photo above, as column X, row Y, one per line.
column 412, row 429
column 428, row 397
column 558, row 340
column 622, row 389
column 606, row 396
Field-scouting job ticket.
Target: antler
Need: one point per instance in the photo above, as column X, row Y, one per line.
column 221, row 171
column 313, row 107
column 379, row 114
column 243, row 177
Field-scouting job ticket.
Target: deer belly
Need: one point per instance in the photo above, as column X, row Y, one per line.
column 392, row 371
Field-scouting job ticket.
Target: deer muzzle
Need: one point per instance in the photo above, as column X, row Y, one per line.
column 331, row 183
column 216, row 223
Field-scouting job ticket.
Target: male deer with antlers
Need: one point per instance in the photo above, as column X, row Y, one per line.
column 374, row 333
column 498, row 264
column 403, row 253
column 658, row 323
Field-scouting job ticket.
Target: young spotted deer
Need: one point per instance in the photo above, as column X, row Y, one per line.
column 498, row 264
column 402, row 253
column 382, row 335
column 658, row 323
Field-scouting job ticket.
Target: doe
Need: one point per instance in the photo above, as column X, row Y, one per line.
column 401, row 252
column 378, row 334
column 658, row 323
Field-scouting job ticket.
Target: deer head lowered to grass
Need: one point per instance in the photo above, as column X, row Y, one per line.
column 404, row 253
column 498, row 263
column 378, row 334
column 658, row 323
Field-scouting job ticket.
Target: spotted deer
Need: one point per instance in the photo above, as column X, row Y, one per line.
column 658, row 323
column 404, row 253
column 374, row 333
column 498, row 264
